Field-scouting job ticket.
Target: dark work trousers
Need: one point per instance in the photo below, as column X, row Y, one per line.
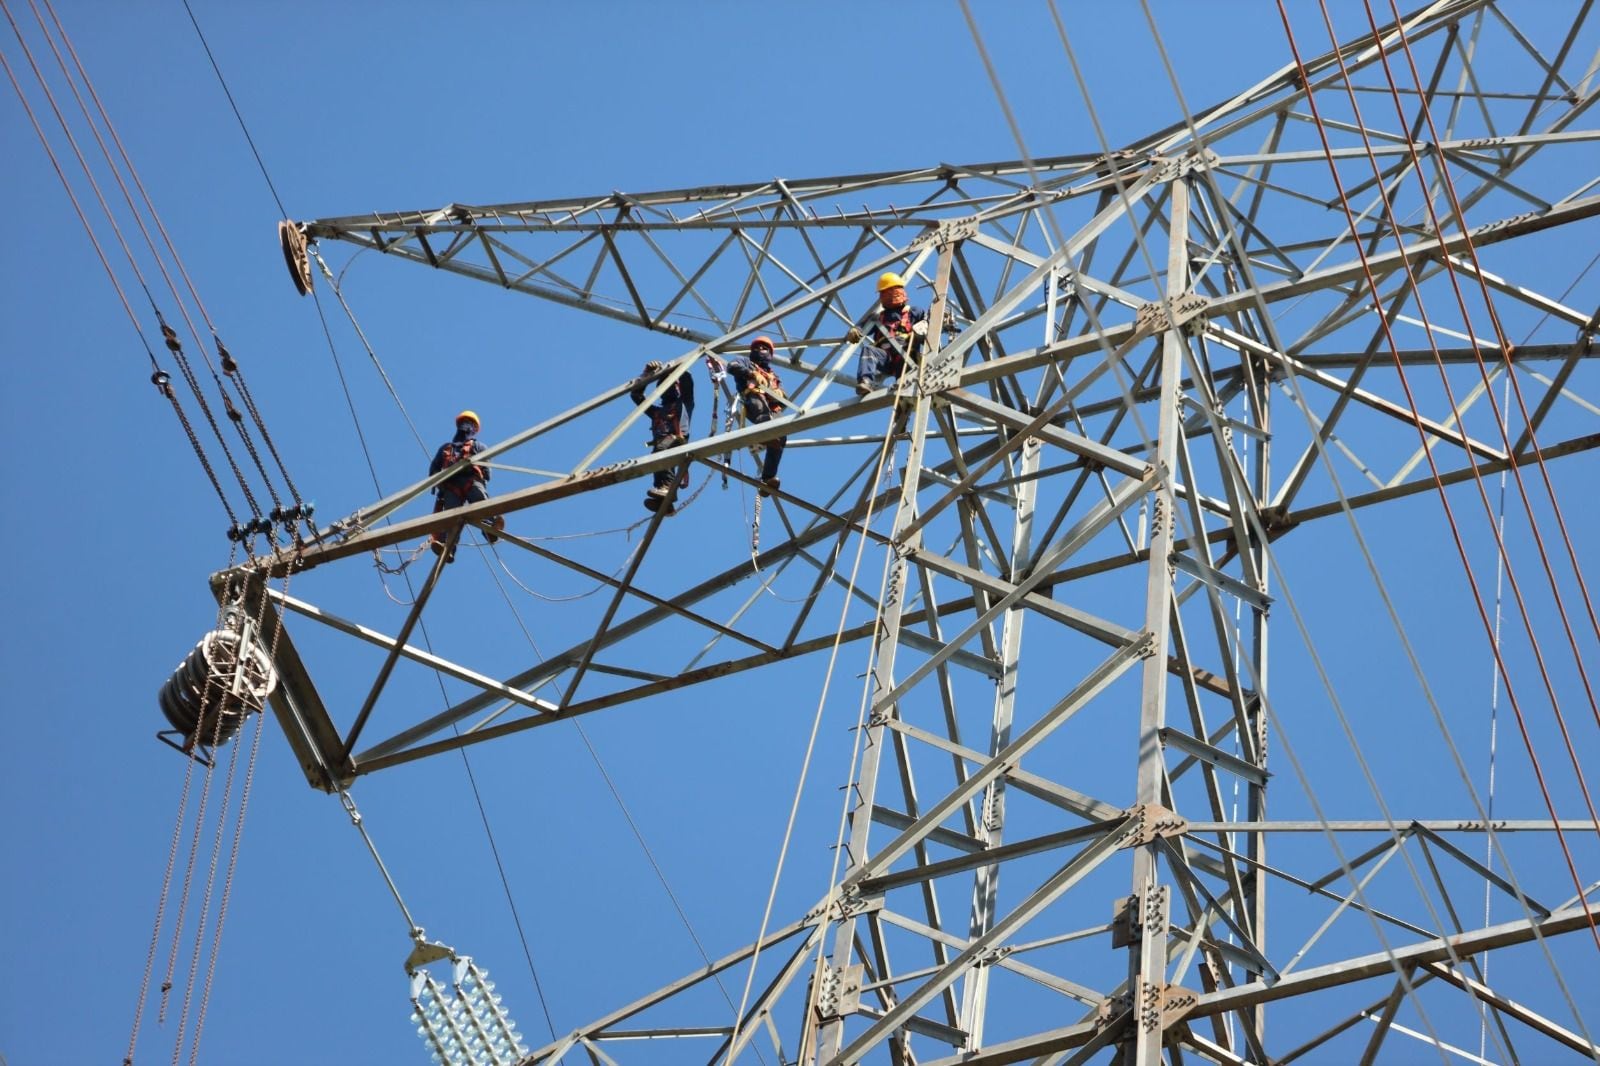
column 757, row 411
column 666, row 431
column 450, row 496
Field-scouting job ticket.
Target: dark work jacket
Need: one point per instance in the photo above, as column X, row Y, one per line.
column 463, row 443
column 681, row 392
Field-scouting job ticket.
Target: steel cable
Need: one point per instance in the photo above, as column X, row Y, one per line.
column 1318, row 446
column 1506, row 348
column 1461, row 547
column 1266, row 320
column 869, row 500
column 158, row 376
column 236, row 373
column 170, row 337
column 1180, row 515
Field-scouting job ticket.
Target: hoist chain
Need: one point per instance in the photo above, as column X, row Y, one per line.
column 231, row 367
column 175, row 346
column 163, row 383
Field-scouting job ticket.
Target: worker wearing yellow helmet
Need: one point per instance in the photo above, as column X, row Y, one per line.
column 893, row 334
column 464, row 485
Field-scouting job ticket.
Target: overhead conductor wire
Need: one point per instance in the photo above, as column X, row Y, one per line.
column 1399, row 627
column 158, row 376
column 231, row 366
column 869, row 499
column 1500, row 424
column 1506, row 348
column 237, row 374
column 1288, row 597
column 1180, row 515
column 169, row 335
column 1465, row 561
column 160, row 379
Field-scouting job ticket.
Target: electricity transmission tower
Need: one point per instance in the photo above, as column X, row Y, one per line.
column 1151, row 368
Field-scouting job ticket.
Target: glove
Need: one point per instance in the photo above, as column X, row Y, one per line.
column 920, row 328
column 853, row 336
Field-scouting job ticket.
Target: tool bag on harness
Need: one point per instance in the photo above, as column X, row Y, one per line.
column 460, row 483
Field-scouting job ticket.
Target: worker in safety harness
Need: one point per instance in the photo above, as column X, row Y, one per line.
column 466, row 484
column 894, row 334
column 761, row 394
column 669, row 424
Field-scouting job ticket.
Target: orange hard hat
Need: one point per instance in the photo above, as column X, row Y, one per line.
column 759, row 341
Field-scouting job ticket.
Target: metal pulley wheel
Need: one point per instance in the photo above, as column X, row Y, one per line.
column 295, row 255
column 215, row 687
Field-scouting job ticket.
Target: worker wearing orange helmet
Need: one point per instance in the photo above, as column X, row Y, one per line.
column 894, row 334
column 465, row 485
column 762, row 396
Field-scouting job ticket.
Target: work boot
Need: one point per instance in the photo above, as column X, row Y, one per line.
column 769, row 485
column 496, row 526
column 863, row 387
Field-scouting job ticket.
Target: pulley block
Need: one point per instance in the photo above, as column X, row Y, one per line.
column 295, row 256
column 226, row 677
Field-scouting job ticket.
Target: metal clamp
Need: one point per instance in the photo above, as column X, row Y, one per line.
column 1151, row 822
column 948, row 231
column 839, row 991
column 1152, row 317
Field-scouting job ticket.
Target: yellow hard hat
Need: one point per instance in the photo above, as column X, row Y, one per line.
column 469, row 415
column 890, row 280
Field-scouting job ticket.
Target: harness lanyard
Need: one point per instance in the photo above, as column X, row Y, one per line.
column 900, row 351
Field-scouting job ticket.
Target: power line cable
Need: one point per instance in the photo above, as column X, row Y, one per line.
column 283, row 212
column 1210, row 180
column 869, row 502
column 1459, row 217
column 1320, row 450
column 472, row 780
column 1457, row 536
column 230, row 365
column 1180, row 515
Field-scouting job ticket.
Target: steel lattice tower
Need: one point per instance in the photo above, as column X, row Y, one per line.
column 1157, row 364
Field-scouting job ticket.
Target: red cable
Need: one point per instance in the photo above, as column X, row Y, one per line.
column 1450, row 271
column 1460, row 418
column 1504, row 554
column 1494, row 318
column 1455, row 409
column 1449, row 513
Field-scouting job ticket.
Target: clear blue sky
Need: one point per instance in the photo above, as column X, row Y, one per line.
column 110, row 531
